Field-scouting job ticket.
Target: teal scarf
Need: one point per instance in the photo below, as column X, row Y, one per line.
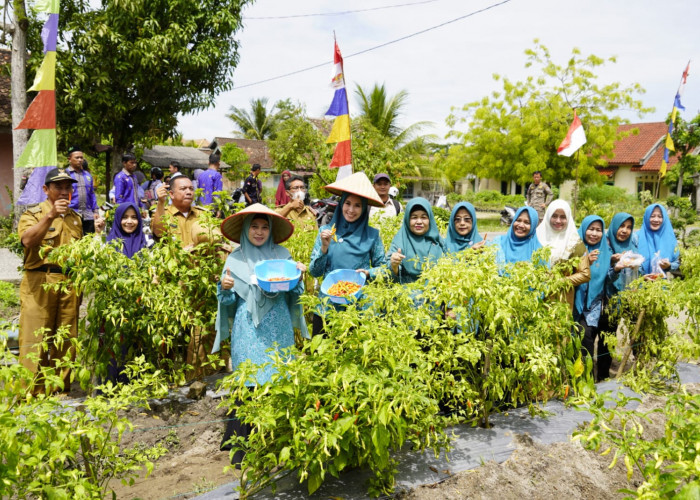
column 455, row 242
column 417, row 249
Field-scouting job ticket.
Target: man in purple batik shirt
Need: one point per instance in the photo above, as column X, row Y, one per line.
column 125, row 184
column 210, row 180
column 83, row 199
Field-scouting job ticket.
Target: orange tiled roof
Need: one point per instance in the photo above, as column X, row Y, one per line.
column 644, row 150
column 607, row 171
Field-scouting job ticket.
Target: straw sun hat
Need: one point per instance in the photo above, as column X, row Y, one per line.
column 357, row 184
column 232, row 225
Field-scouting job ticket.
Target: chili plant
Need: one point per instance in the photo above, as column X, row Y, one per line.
column 51, row 450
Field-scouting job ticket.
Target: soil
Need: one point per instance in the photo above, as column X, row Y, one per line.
column 192, row 433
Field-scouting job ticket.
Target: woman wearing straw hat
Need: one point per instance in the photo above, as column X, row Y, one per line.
column 253, row 319
column 348, row 242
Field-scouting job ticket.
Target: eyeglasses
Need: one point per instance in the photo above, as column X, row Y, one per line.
column 297, row 188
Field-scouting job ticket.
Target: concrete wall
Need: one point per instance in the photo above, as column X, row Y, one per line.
column 628, row 180
column 6, row 172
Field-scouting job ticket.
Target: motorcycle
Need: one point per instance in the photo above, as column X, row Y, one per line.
column 325, row 208
column 507, row 215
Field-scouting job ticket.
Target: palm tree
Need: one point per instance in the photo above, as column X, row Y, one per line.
column 258, row 123
column 383, row 112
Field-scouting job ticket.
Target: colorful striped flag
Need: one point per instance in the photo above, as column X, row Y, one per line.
column 340, row 133
column 40, row 151
column 668, row 143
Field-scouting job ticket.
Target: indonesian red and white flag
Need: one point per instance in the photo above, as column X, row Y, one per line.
column 575, row 138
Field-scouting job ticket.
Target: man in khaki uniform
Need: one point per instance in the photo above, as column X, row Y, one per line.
column 539, row 195
column 50, row 224
column 181, row 212
column 183, row 218
column 296, row 210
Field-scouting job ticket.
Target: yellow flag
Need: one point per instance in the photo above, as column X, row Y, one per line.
column 669, row 143
column 45, row 78
column 662, row 170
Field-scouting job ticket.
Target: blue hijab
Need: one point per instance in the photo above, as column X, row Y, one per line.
column 456, row 242
column 356, row 239
column 512, row 249
column 417, row 249
column 599, row 268
column 663, row 240
column 131, row 242
column 616, row 245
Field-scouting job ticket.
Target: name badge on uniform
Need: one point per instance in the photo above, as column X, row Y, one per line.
column 52, row 229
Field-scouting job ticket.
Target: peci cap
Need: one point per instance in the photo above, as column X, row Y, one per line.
column 381, row 176
column 232, row 225
column 73, row 149
column 57, row 175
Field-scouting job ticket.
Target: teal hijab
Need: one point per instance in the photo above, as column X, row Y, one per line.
column 617, row 283
column 663, row 240
column 417, row 249
column 455, row 242
column 241, row 262
column 513, row 249
column 599, row 268
column 355, row 239
column 616, row 245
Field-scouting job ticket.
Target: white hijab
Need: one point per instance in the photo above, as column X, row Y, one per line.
column 562, row 243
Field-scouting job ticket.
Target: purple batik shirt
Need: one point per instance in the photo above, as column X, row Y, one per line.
column 210, row 181
column 125, row 189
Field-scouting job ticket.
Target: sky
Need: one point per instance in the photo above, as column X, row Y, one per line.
column 454, row 64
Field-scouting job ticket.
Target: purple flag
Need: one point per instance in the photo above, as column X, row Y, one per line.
column 49, row 33
column 33, row 192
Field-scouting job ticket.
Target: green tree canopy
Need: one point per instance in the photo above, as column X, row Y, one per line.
column 516, row 131
column 383, row 111
column 127, row 68
column 686, row 138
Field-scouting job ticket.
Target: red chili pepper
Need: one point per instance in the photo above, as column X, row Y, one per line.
column 318, row 404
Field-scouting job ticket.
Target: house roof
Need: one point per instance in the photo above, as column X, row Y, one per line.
column 256, row 150
column 643, row 151
column 5, row 97
column 161, row 156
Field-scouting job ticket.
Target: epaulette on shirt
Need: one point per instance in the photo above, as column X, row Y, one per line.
column 34, row 210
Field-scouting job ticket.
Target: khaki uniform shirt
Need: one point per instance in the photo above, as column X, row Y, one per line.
column 537, row 195
column 63, row 231
column 305, row 217
column 181, row 226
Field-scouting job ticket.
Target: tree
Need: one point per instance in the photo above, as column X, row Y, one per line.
column 234, row 156
column 516, row 131
column 686, row 137
column 383, row 112
column 127, row 68
column 260, row 122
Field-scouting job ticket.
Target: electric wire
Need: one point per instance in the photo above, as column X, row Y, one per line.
column 411, row 35
column 341, row 12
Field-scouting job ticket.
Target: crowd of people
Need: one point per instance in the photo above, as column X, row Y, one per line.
column 598, row 263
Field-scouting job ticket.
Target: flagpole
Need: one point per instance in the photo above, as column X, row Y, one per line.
column 347, row 104
column 578, row 151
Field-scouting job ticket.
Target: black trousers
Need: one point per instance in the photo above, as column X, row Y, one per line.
column 88, row 226
column 590, row 333
column 235, row 427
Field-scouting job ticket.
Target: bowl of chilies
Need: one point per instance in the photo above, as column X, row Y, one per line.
column 343, row 285
column 277, row 275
